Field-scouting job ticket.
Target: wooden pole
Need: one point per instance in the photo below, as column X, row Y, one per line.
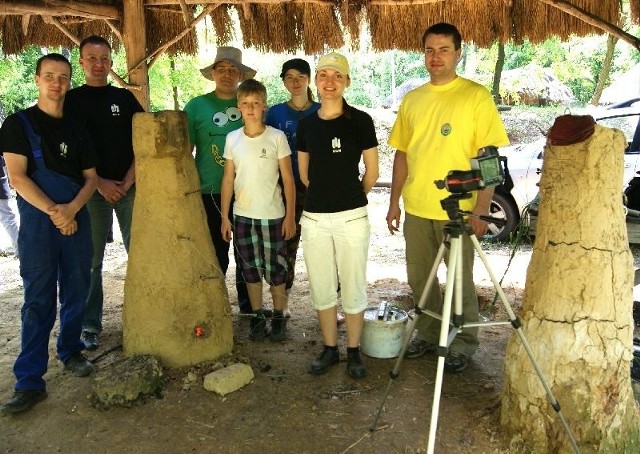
column 135, row 43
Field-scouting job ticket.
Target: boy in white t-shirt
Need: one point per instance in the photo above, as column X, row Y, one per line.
column 256, row 158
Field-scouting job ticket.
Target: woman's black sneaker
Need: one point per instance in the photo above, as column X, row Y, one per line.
column 355, row 366
column 328, row 357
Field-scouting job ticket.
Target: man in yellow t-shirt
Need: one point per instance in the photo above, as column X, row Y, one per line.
column 440, row 127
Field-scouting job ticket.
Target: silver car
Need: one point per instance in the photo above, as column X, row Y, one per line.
column 525, row 165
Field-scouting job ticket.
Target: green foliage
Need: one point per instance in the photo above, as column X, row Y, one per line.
column 577, row 62
column 581, row 70
column 517, row 56
column 181, row 72
column 17, row 89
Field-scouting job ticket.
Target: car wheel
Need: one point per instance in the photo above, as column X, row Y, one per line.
column 502, row 207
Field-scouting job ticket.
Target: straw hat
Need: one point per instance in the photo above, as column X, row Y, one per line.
column 232, row 55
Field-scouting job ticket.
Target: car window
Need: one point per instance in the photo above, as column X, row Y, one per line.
column 627, row 123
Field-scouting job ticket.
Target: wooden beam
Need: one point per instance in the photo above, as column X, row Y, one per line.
column 186, row 12
column 156, row 53
column 83, row 9
column 76, row 40
column 25, row 23
column 60, row 8
column 134, row 40
column 246, row 10
column 114, row 28
column 300, row 2
column 593, row 20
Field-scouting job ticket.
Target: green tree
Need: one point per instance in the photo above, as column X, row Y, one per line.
column 17, row 90
column 185, row 79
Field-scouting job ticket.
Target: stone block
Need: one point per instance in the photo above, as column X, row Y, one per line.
column 127, row 381
column 229, row 379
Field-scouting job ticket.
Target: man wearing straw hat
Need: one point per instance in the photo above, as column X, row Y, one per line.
column 210, row 118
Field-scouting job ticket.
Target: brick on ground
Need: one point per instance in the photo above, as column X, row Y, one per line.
column 229, row 379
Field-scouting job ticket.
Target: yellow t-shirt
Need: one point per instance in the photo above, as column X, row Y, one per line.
column 440, row 128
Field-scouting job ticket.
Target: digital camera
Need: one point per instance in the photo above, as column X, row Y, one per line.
column 486, row 171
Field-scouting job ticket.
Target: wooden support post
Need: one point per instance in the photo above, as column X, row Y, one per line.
column 135, row 45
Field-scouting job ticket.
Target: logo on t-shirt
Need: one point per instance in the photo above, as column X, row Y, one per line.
column 336, row 145
column 63, row 149
column 222, row 118
column 263, row 154
column 445, row 129
column 115, row 110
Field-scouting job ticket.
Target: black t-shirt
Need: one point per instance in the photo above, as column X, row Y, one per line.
column 107, row 113
column 66, row 146
column 335, row 148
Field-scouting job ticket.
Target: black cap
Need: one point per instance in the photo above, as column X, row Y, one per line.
column 298, row 64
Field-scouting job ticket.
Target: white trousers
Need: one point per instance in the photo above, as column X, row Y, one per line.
column 335, row 248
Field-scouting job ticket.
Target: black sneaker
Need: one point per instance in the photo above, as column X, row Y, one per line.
column 258, row 329
column 326, row 359
column 278, row 329
column 22, row 401
column 418, row 348
column 355, row 366
column 78, row 365
column 90, row 340
column 246, row 310
column 455, row 362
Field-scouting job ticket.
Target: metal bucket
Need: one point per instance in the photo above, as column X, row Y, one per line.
column 383, row 331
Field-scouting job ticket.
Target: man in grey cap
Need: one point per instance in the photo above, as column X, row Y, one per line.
column 210, row 118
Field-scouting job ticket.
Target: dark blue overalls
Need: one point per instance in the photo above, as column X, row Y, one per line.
column 50, row 261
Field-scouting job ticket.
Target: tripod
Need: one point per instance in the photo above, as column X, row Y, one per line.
column 454, row 232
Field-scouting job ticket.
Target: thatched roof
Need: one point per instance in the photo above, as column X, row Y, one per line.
column 149, row 28
column 308, row 25
column 534, row 84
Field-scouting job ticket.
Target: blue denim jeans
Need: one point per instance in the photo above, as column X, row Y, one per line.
column 50, row 263
column 101, row 213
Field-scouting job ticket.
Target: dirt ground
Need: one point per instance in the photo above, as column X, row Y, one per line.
column 284, row 409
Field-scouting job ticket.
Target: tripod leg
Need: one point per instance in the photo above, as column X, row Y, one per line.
column 410, row 327
column 453, row 271
column 458, row 319
column 517, row 325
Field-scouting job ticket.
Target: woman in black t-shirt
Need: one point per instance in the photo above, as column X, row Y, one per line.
column 335, row 224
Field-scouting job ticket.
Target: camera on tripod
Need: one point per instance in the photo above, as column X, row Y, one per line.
column 486, row 171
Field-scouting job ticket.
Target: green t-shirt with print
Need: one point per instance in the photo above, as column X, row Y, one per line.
column 210, row 119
